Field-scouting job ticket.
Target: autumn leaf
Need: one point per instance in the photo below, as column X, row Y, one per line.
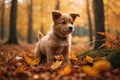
column 111, row 41
column 66, row 70
column 31, row 61
column 90, row 71
column 73, row 57
column 101, row 33
column 32, row 51
column 102, row 65
column 88, row 59
column 35, row 76
column 56, row 65
column 21, row 69
column 1, row 71
column 97, row 68
column 59, row 57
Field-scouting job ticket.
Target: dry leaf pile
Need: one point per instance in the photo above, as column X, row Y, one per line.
column 18, row 63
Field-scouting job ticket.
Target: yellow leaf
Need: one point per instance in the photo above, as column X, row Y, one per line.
column 97, row 68
column 32, row 51
column 66, row 70
column 73, row 57
column 88, row 59
column 31, row 61
column 21, row 69
column 56, row 65
column 102, row 65
column 90, row 71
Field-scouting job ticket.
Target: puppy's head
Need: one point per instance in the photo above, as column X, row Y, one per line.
column 63, row 23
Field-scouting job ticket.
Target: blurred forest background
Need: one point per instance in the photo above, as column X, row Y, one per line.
column 35, row 15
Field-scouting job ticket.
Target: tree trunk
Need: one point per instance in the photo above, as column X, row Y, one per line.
column 30, row 26
column 41, row 12
column 12, row 39
column 2, row 20
column 57, row 7
column 89, row 22
column 98, row 8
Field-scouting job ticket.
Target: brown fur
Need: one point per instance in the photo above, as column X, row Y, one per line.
column 58, row 40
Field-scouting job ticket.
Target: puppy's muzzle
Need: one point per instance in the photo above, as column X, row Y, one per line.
column 70, row 28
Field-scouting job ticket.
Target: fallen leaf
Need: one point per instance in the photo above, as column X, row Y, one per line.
column 88, row 59
column 97, row 68
column 21, row 69
column 56, row 65
column 73, row 57
column 66, row 70
column 32, row 51
column 28, row 73
column 1, row 71
column 59, row 57
column 31, row 61
column 102, row 65
column 36, row 76
column 90, row 71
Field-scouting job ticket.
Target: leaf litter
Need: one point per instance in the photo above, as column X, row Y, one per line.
column 18, row 63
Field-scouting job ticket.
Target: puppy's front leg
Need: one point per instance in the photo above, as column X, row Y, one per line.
column 50, row 56
column 66, row 55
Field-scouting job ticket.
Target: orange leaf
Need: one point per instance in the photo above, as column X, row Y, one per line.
column 66, row 70
column 88, row 59
column 56, row 65
column 103, row 45
column 90, row 71
column 97, row 68
column 101, row 33
column 102, row 65
column 21, row 69
column 73, row 57
column 32, row 51
column 111, row 41
column 31, row 61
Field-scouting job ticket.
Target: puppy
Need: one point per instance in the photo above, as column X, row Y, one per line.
column 58, row 40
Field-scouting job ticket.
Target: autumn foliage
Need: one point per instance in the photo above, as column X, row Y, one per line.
column 112, row 41
column 18, row 62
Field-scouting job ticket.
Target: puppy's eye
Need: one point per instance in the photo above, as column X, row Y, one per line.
column 71, row 22
column 63, row 22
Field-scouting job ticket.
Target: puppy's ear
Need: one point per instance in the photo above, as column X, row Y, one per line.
column 74, row 15
column 56, row 15
column 40, row 35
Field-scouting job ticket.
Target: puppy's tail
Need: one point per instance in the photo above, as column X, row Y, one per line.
column 40, row 35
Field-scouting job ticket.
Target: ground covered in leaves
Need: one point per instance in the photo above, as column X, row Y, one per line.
column 18, row 63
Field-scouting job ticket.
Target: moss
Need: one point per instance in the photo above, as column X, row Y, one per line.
column 94, row 53
column 114, row 58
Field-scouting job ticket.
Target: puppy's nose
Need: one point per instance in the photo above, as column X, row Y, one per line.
column 70, row 27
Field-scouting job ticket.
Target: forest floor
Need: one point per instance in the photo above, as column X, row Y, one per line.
column 17, row 63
